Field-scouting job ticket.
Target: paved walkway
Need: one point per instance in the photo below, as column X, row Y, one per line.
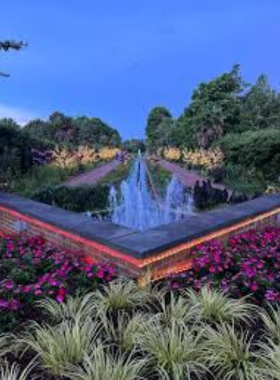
column 94, row 176
column 188, row 177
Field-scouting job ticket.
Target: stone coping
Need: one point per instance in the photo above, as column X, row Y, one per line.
column 141, row 244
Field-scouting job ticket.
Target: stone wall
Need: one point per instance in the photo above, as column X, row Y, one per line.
column 162, row 250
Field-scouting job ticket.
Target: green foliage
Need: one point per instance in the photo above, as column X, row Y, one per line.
column 11, row 44
column 160, row 177
column 230, row 353
column 250, row 182
column 118, row 175
column 271, row 321
column 134, row 145
column 105, row 366
column 159, row 128
column 66, row 344
column 15, row 150
column 215, row 307
column 243, row 119
column 38, row 178
column 78, row 307
column 175, row 350
column 214, row 110
column 258, row 149
column 78, row 199
column 260, row 107
column 14, row 372
column 121, row 294
column 73, row 132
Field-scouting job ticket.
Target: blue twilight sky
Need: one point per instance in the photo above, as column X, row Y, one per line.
column 116, row 59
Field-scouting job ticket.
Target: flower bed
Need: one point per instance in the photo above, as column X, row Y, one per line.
column 247, row 265
column 31, row 270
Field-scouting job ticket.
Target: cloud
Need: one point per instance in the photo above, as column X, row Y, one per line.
column 20, row 115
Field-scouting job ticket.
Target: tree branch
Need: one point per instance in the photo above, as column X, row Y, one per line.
column 12, row 44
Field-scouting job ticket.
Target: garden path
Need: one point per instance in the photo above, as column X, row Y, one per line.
column 188, row 177
column 93, row 176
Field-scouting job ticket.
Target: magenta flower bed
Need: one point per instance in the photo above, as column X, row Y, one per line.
column 247, row 265
column 30, row 270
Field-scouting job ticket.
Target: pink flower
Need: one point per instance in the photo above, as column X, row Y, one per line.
column 3, row 304
column 61, row 295
column 271, row 295
column 27, row 289
column 100, row 274
column 254, row 287
column 14, row 304
column 8, row 285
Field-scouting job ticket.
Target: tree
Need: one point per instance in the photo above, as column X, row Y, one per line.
column 63, row 130
column 134, row 145
column 10, row 45
column 214, row 110
column 38, row 129
column 260, row 106
column 160, row 125
column 15, row 149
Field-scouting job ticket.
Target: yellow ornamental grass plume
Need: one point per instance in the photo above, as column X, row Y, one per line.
column 87, row 155
column 108, row 153
column 64, row 158
column 206, row 159
column 172, row 154
column 272, row 189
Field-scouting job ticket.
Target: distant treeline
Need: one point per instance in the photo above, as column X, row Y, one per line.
column 17, row 144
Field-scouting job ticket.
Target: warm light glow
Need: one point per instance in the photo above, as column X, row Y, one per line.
column 76, row 238
column 173, row 269
column 214, row 235
column 145, row 263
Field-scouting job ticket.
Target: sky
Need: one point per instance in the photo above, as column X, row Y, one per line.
column 116, row 59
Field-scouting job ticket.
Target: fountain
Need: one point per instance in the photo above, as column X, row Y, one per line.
column 137, row 207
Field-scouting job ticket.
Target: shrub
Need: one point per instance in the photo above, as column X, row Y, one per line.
column 230, row 353
column 121, row 294
column 58, row 347
column 81, row 307
column 38, row 177
column 78, row 199
column 215, row 307
column 253, row 149
column 174, row 350
column 104, row 366
column 206, row 196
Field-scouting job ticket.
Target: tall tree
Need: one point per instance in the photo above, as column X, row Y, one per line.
column 159, row 127
column 10, row 45
column 260, row 106
column 214, row 110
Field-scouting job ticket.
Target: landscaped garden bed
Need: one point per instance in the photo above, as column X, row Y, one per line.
column 248, row 265
column 63, row 317
column 31, row 270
